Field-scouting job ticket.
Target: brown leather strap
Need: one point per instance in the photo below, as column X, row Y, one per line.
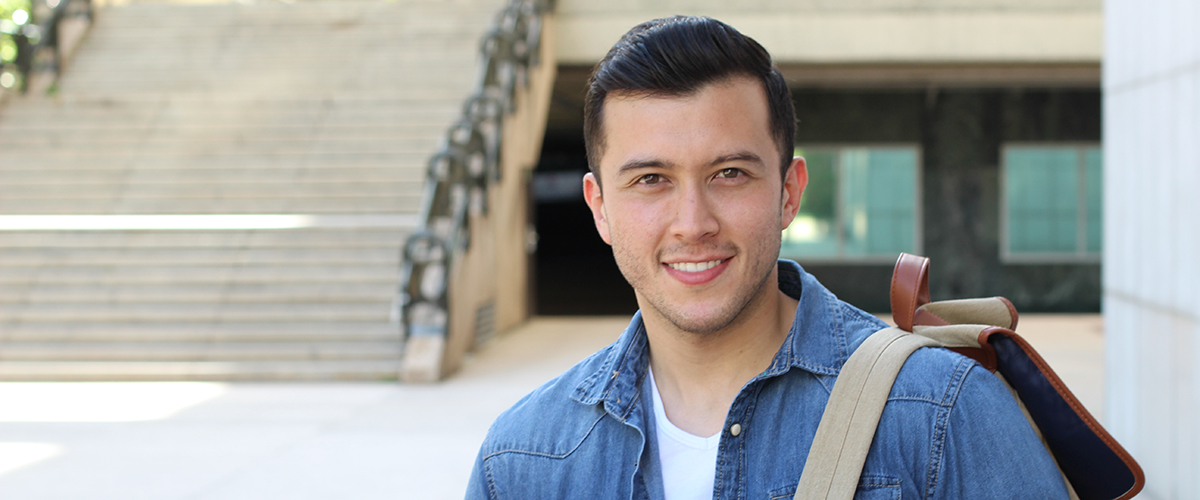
column 910, row 289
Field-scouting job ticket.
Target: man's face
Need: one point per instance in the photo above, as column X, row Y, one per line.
column 693, row 204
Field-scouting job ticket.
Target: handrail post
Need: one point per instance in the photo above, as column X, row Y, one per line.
column 462, row 174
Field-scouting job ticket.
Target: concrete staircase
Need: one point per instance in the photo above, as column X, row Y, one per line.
column 322, row 114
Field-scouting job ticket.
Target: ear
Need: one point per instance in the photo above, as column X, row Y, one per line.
column 595, row 201
column 794, row 182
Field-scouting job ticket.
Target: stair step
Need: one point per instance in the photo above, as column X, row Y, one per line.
column 326, row 107
column 308, row 108
column 36, row 177
column 214, row 191
column 232, row 312
column 407, row 165
column 109, row 293
column 233, row 115
column 32, row 158
column 101, row 257
column 51, row 143
column 285, row 331
column 198, row 351
column 260, row 239
column 99, row 129
column 328, row 205
column 29, row 174
column 188, row 275
column 199, row 370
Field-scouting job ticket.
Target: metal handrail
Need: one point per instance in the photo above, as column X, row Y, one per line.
column 34, row 36
column 463, row 167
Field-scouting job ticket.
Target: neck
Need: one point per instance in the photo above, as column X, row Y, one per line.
column 699, row 374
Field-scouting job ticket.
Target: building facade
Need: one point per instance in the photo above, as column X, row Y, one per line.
column 965, row 131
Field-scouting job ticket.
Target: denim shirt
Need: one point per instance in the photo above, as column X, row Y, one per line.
column 950, row 429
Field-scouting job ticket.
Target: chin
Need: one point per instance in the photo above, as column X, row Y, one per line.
column 703, row 323
column 701, row 328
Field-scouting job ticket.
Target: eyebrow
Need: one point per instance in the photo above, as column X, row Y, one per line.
column 738, row 156
column 636, row 164
column 732, row 157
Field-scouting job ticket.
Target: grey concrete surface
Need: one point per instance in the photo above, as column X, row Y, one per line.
column 209, row 441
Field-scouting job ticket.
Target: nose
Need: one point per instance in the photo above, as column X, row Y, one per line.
column 694, row 218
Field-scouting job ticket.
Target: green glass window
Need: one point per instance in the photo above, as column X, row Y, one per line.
column 861, row 202
column 1052, row 201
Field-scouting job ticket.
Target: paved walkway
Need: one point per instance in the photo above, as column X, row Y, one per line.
column 208, row 441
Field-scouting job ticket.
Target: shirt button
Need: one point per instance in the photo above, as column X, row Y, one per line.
column 735, row 430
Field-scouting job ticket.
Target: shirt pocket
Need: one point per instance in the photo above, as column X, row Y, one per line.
column 870, row 487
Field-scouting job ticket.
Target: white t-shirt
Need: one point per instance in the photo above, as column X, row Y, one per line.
column 688, row 461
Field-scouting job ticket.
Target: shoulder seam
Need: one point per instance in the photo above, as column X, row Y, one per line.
column 491, row 481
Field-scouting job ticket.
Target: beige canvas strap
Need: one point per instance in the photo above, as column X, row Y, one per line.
column 847, row 428
column 839, row 449
column 848, row 424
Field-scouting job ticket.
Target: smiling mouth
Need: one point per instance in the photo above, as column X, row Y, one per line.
column 695, row 267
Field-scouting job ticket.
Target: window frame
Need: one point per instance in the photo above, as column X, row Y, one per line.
column 1081, row 255
column 839, row 206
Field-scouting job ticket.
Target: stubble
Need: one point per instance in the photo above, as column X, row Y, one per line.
column 733, row 307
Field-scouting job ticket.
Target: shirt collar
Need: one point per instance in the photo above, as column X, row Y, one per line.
column 816, row 343
column 817, row 340
column 621, row 372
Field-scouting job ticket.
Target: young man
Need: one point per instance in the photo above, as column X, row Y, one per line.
column 716, row 387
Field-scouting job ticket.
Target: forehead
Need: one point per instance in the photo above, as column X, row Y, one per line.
column 717, row 118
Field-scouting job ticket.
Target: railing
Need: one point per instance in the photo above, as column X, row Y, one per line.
column 35, row 34
column 465, row 165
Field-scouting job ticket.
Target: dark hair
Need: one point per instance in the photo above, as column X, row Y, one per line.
column 676, row 56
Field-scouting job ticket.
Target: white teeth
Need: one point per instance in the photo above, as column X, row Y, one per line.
column 695, row 267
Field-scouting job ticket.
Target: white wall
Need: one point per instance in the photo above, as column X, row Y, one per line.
column 1152, row 238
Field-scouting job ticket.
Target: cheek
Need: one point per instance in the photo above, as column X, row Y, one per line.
column 635, row 224
column 754, row 213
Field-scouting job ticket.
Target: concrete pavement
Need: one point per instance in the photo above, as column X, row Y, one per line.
column 210, row 441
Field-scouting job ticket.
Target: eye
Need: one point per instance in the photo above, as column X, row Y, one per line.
column 729, row 173
column 650, row 179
